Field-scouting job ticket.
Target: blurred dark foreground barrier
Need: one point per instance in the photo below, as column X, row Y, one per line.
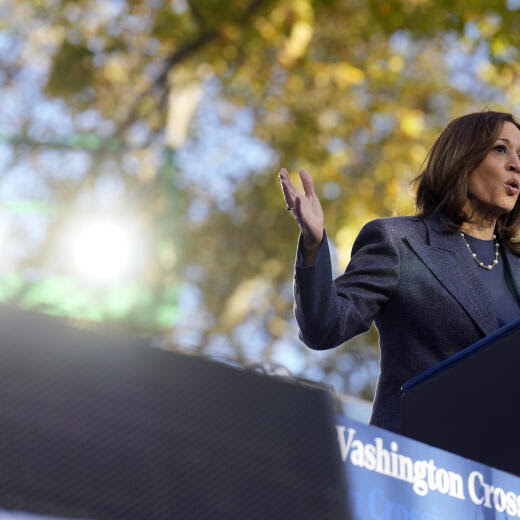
column 107, row 428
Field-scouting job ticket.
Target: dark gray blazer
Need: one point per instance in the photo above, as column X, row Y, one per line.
column 415, row 280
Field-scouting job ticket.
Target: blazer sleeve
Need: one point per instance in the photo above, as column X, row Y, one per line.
column 329, row 312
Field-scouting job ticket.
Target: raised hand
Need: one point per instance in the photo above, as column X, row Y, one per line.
column 305, row 207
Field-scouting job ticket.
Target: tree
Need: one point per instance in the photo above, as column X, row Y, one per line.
column 114, row 105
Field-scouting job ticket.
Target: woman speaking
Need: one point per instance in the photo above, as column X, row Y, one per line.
column 433, row 283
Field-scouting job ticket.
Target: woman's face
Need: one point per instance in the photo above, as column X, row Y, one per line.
column 494, row 185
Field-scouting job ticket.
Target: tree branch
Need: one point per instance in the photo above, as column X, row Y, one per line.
column 180, row 55
column 196, row 14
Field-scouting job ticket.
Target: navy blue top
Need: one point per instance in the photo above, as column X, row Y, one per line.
column 497, row 280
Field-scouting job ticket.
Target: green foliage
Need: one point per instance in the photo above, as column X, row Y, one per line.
column 353, row 91
column 72, row 70
column 169, row 25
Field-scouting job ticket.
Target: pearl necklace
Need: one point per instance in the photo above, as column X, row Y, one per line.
column 482, row 264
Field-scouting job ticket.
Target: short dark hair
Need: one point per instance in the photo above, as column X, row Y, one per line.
column 442, row 185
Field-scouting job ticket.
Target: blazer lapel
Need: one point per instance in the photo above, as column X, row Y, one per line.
column 448, row 259
column 513, row 264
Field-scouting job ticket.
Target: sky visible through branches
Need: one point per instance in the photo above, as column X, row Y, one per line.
column 139, row 146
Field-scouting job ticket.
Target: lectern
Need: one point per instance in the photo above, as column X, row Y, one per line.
column 108, row 428
column 468, row 404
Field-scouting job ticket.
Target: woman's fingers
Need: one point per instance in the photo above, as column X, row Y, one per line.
column 289, row 191
column 295, row 199
column 287, row 195
column 307, row 183
column 286, row 180
column 289, row 187
column 305, row 208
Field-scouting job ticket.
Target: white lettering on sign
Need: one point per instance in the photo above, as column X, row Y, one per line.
column 423, row 475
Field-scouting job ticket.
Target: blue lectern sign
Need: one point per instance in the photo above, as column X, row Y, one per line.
column 390, row 477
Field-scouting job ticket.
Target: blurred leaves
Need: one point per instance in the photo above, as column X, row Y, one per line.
column 185, row 109
column 72, row 71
